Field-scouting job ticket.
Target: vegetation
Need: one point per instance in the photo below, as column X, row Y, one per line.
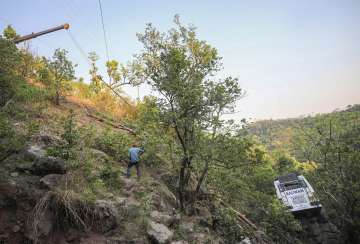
column 180, row 67
column 208, row 159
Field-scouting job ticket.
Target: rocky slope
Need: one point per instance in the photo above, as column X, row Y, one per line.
column 40, row 202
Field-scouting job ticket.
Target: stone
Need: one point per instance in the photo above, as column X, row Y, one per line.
column 34, row 152
column 204, row 216
column 199, row 238
column 100, row 156
column 245, row 241
column 23, row 167
column 51, row 181
column 48, row 165
column 14, row 174
column 44, row 226
column 131, row 208
column 159, row 233
column 16, row 228
column 121, row 201
column 72, row 235
column 125, row 240
column 105, row 216
column 179, row 242
column 163, row 218
column 187, row 227
column 46, row 139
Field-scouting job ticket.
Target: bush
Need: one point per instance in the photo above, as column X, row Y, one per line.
column 114, row 144
column 111, row 177
column 69, row 136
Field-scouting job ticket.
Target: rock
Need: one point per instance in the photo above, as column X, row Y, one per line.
column 16, row 228
column 72, row 235
column 23, row 167
column 187, row 227
column 245, row 241
column 179, row 242
column 105, row 216
column 100, row 156
column 120, row 201
column 51, row 181
column 125, row 240
column 44, row 226
column 46, row 139
column 8, row 196
column 159, row 233
column 48, row 165
column 200, row 238
column 34, row 152
column 205, row 217
column 260, row 237
column 163, row 218
column 14, row 174
column 131, row 208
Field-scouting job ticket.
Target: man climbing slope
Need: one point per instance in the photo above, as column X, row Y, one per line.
column 134, row 156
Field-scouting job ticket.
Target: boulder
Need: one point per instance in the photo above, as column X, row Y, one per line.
column 34, row 152
column 187, row 227
column 164, row 218
column 7, row 195
column 48, row 165
column 100, row 156
column 245, row 241
column 51, row 181
column 125, row 240
column 43, row 227
column 45, row 139
column 159, row 233
column 23, row 167
column 204, row 216
column 105, row 216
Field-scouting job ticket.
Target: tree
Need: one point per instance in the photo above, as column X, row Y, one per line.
column 335, row 142
column 96, row 80
column 10, row 60
column 62, row 70
column 181, row 68
column 10, row 33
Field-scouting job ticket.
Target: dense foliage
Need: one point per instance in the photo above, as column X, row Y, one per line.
column 329, row 144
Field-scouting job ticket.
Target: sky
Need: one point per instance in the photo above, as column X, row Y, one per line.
column 293, row 58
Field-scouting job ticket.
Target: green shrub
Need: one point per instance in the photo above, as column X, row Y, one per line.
column 70, row 139
column 281, row 225
column 228, row 226
column 111, row 177
column 114, row 144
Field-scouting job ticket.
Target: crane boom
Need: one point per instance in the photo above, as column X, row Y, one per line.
column 34, row 35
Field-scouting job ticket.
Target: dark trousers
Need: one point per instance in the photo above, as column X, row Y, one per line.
column 130, row 165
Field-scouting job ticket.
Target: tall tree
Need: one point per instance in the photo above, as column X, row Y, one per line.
column 63, row 71
column 10, row 60
column 181, row 68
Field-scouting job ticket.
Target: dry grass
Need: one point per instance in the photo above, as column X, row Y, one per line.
column 105, row 102
column 65, row 207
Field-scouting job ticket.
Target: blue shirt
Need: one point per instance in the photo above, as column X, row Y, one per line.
column 134, row 153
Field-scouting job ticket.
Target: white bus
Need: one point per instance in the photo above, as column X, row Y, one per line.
column 296, row 193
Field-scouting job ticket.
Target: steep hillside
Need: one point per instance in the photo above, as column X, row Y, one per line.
column 62, row 181
column 288, row 134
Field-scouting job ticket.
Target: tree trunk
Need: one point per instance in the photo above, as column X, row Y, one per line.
column 181, row 186
column 201, row 179
column 57, row 97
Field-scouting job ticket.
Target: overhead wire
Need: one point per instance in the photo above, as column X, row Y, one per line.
column 104, row 31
